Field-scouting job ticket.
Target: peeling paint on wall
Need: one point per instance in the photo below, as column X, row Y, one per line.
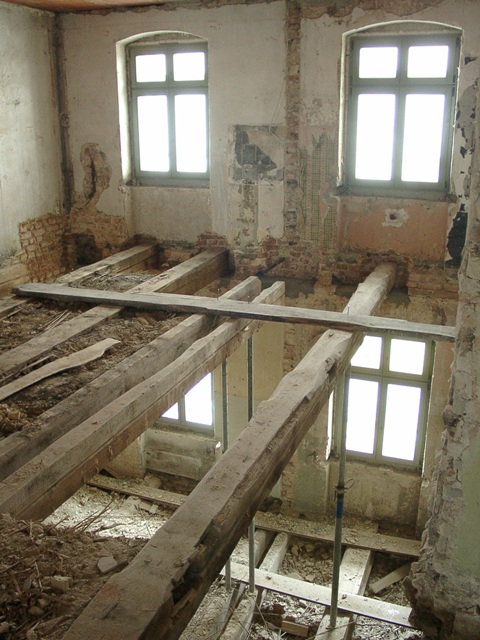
column 97, row 175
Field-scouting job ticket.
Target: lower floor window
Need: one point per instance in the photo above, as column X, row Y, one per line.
column 195, row 409
column 384, row 400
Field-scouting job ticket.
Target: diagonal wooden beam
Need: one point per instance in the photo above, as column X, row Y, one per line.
column 47, row 480
column 172, row 573
column 238, row 309
column 20, row 447
column 186, row 277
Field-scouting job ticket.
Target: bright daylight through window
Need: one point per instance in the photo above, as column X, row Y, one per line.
column 401, row 110
column 195, row 409
column 169, row 112
column 386, row 399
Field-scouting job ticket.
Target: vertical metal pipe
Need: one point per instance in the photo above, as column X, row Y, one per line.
column 228, row 566
column 339, row 499
column 251, row 528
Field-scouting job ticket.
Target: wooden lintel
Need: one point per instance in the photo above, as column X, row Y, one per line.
column 172, row 573
column 19, row 448
column 188, row 276
column 238, row 309
column 46, row 481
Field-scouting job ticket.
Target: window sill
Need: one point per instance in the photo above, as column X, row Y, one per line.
column 188, row 183
column 395, row 194
column 398, row 466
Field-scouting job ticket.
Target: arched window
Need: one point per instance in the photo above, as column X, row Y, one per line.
column 168, row 91
column 401, row 108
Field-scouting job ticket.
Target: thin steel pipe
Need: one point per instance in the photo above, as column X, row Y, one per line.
column 228, row 566
column 251, row 528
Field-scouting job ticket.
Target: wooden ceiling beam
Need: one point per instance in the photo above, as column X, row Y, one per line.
column 157, row 594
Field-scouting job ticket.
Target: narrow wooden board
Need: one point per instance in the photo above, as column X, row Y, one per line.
column 306, row 529
column 157, row 496
column 174, row 570
column 76, row 359
column 391, row 578
column 238, row 309
column 352, row 538
column 201, row 269
column 47, row 480
column 19, row 448
column 118, row 262
column 360, row 605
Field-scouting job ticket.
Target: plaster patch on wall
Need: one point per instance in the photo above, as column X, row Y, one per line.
column 395, row 218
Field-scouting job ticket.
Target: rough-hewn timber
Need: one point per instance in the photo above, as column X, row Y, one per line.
column 172, row 573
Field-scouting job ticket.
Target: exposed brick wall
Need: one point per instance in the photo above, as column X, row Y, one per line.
column 109, row 234
column 42, row 248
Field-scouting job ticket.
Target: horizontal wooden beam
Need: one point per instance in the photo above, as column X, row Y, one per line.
column 20, row 447
column 348, row 602
column 238, row 309
column 46, row 481
column 189, row 276
column 172, row 573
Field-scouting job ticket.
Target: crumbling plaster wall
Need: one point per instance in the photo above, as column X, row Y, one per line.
column 446, row 581
column 246, row 87
column 30, row 174
column 415, row 228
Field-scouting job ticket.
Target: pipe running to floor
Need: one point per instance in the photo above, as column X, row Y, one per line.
column 339, row 500
column 228, row 566
column 251, row 528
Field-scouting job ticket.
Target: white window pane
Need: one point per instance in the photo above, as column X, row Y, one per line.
column 198, row 402
column 375, row 129
column 189, row 66
column 378, row 62
column 422, row 144
column 191, row 133
column 407, row 356
column 401, row 422
column 369, row 353
column 151, row 68
column 362, row 415
column 153, row 133
column 428, row 61
column 172, row 413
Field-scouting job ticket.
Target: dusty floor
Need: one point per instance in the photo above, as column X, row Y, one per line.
column 35, row 604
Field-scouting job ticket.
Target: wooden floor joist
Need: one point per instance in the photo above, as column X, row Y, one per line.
column 238, row 309
column 46, row 481
column 189, row 276
column 172, row 573
column 19, row 448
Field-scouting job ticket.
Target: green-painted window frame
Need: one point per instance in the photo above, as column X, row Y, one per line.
column 385, row 377
column 169, row 88
column 401, row 86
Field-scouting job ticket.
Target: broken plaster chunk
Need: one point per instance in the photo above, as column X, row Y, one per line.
column 107, row 564
column 61, row 584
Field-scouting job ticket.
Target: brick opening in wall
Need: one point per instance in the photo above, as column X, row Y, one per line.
column 86, row 249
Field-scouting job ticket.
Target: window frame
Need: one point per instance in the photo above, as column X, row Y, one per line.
column 385, row 377
column 170, row 88
column 401, row 86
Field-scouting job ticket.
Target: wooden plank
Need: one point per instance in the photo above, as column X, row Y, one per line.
column 172, row 573
column 126, row 260
column 201, row 269
column 349, row 602
column 12, row 272
column 47, row 480
column 306, row 529
column 76, row 359
column 144, row 492
column 391, row 578
column 21, row 447
column 239, row 309
column 352, row 538
column 119, row 262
